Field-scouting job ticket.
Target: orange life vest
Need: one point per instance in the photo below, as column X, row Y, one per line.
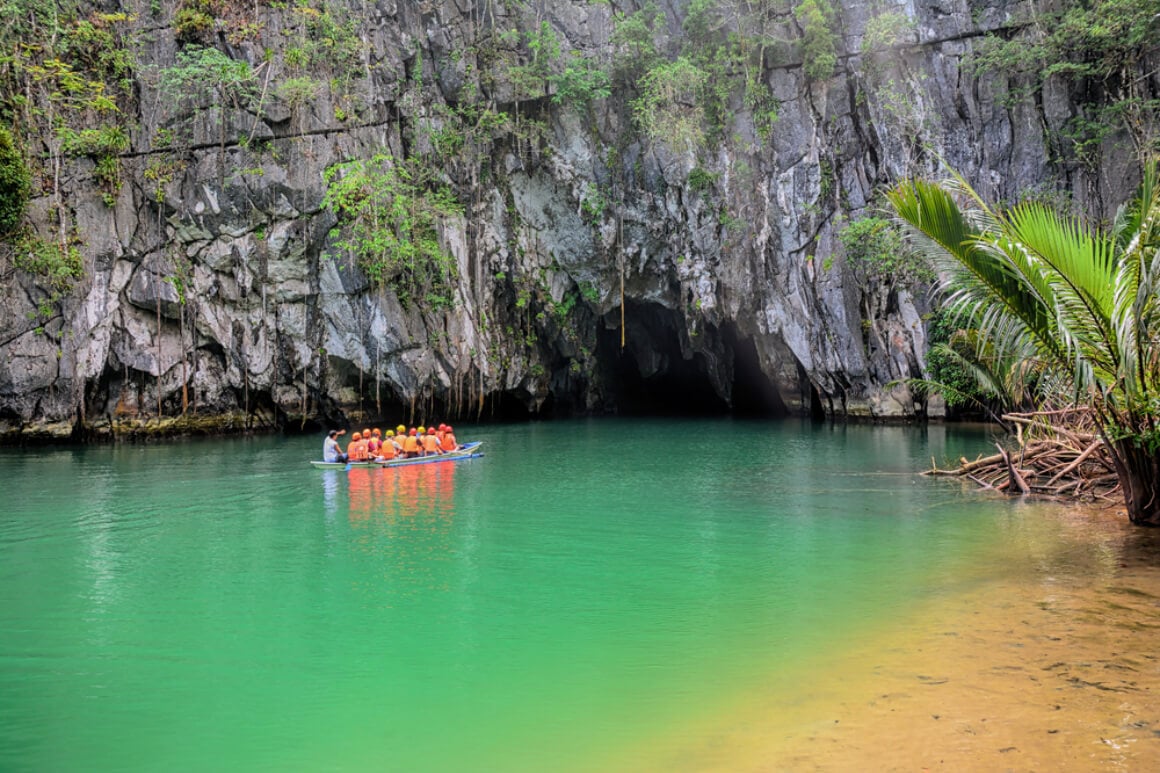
column 430, row 444
column 356, row 451
column 388, row 450
column 449, row 442
column 411, row 445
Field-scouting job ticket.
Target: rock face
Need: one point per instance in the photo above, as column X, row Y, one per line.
column 595, row 268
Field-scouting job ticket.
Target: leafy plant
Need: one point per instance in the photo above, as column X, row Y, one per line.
column 668, row 109
column 1081, row 300
column 701, row 180
column 56, row 267
column 877, row 251
column 389, row 212
column 819, row 41
column 633, row 44
column 580, row 83
column 195, row 21
column 104, row 141
column 593, row 203
column 15, row 184
column 299, row 91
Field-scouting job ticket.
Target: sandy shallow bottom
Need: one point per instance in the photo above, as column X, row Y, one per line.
column 1050, row 663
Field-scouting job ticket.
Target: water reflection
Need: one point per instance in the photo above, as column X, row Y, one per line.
column 330, row 492
column 383, row 495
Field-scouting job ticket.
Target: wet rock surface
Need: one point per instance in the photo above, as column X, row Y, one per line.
column 590, row 274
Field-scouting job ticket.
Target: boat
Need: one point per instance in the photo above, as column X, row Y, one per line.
column 465, row 451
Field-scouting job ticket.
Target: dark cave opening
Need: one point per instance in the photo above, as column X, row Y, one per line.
column 674, row 386
column 753, row 393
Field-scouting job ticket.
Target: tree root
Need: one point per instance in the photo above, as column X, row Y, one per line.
column 1057, row 454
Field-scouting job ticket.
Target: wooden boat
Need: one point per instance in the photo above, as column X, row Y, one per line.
column 465, row 451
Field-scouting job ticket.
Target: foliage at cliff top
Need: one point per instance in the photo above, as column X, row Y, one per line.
column 1099, row 46
column 1077, row 302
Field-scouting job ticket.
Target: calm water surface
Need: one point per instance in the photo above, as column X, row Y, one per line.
column 582, row 588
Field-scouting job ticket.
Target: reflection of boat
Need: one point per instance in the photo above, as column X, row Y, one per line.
column 465, row 451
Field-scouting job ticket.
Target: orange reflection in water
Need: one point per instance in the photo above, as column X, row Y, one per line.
column 401, row 492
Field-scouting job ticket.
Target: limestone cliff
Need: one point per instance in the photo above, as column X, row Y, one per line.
column 592, row 265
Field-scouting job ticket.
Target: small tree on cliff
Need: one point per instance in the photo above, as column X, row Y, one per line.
column 15, row 184
column 1084, row 300
column 388, row 213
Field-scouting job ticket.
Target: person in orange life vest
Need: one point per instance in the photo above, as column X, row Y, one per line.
column 449, row 443
column 376, row 442
column 396, row 440
column 355, row 450
column 387, row 448
column 411, row 444
column 431, row 444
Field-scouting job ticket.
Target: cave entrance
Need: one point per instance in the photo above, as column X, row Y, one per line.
column 753, row 393
column 675, row 387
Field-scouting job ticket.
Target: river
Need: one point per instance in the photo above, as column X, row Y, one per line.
column 590, row 595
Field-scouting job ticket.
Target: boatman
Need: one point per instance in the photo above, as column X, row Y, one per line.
column 330, row 450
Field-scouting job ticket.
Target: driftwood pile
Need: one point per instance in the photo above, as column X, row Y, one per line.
column 1057, row 453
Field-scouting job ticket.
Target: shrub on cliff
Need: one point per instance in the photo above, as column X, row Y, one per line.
column 389, row 213
column 15, row 184
column 819, row 41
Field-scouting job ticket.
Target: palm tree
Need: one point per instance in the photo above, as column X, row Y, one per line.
column 1082, row 299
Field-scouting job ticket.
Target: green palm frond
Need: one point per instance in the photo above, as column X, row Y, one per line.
column 980, row 266
column 1077, row 265
column 1080, row 303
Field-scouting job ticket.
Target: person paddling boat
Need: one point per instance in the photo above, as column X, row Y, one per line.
column 330, row 449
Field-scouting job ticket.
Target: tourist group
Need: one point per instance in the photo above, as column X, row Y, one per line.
column 373, row 445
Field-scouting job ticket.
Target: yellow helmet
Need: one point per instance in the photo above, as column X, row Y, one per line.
column 422, row 430
column 400, row 429
column 390, row 433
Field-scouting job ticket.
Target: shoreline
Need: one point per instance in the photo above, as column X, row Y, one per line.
column 1049, row 669
column 232, row 424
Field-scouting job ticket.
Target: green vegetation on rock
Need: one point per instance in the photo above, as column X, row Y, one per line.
column 819, row 41
column 1096, row 47
column 389, row 212
column 15, row 184
column 1076, row 303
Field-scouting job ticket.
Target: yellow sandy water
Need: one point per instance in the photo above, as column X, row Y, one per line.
column 1051, row 668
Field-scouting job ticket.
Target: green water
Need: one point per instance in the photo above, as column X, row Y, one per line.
column 583, row 587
